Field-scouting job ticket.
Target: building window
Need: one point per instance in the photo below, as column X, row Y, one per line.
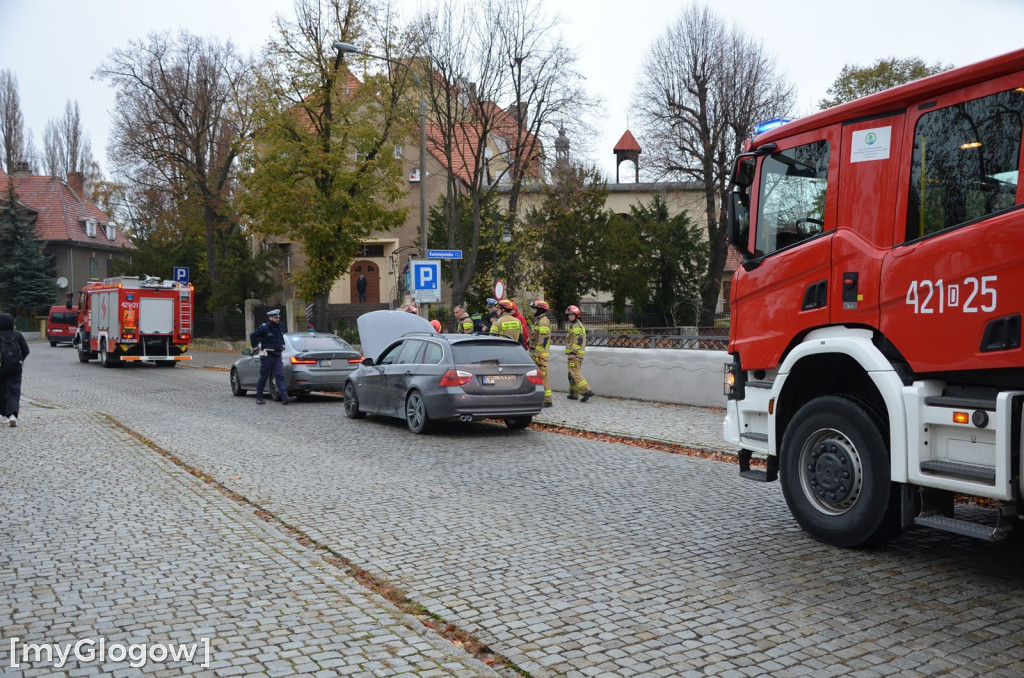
column 286, row 257
column 90, row 228
column 94, row 267
column 371, row 251
column 398, row 152
column 110, row 230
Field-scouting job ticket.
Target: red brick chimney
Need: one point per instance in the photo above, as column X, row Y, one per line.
column 76, row 182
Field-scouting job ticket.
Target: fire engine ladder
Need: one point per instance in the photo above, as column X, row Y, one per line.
column 185, row 312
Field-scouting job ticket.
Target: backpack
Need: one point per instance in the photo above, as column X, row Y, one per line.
column 10, row 353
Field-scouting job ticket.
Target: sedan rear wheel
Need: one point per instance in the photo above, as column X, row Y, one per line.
column 518, row 423
column 275, row 394
column 352, row 402
column 416, row 413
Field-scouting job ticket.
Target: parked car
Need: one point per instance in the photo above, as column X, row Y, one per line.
column 411, row 372
column 313, row 361
column 61, row 324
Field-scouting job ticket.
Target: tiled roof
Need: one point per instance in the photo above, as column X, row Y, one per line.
column 466, row 139
column 60, row 211
column 627, row 143
column 733, row 259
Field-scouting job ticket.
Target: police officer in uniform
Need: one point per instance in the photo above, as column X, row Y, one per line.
column 492, row 313
column 575, row 345
column 506, row 324
column 269, row 337
column 540, row 344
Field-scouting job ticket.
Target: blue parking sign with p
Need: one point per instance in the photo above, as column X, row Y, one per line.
column 181, row 274
column 426, row 275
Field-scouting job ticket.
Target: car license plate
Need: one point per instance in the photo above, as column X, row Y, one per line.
column 324, row 363
column 499, row 378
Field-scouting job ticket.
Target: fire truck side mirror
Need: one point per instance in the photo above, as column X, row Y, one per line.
column 738, row 221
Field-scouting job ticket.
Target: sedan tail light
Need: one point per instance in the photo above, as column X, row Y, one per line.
column 296, row 360
column 534, row 377
column 455, row 378
column 356, row 361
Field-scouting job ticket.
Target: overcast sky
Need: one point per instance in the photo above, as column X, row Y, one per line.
column 54, row 46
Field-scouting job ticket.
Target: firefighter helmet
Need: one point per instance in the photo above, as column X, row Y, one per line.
column 436, row 324
column 506, row 305
column 411, row 309
column 540, row 304
column 575, row 310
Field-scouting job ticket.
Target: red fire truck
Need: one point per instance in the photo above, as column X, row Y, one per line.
column 128, row 319
column 876, row 362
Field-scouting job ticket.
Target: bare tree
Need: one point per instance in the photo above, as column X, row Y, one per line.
column 702, row 90
column 501, row 78
column 66, row 146
column 181, row 111
column 12, row 123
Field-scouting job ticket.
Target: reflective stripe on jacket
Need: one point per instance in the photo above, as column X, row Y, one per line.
column 576, row 338
column 540, row 338
column 508, row 326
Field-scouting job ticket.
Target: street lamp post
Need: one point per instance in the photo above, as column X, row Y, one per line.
column 506, row 238
column 348, row 48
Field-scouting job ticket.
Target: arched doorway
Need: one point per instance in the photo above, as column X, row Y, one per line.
column 371, row 271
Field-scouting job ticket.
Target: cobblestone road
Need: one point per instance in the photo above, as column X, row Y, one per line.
column 568, row 556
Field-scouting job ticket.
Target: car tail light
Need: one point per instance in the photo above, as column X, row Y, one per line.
column 296, row 360
column 455, row 378
column 534, row 377
column 356, row 361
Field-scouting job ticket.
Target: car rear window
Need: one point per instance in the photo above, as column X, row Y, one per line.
column 64, row 318
column 506, row 353
column 319, row 343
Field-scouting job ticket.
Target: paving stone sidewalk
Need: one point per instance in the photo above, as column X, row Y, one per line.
column 103, row 539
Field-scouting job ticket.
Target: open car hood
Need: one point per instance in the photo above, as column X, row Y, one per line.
column 378, row 329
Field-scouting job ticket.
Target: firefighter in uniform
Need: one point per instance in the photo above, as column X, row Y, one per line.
column 463, row 323
column 540, row 344
column 506, row 324
column 575, row 345
column 269, row 338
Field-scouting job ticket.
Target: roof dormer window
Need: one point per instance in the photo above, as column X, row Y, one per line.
column 90, row 228
column 111, row 234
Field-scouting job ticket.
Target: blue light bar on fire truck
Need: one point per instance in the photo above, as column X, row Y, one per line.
column 771, row 124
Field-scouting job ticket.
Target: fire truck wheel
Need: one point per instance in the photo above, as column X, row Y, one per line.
column 352, row 402
column 834, row 469
column 236, row 384
column 83, row 352
column 105, row 358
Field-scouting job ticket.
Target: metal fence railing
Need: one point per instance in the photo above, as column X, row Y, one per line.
column 598, row 334
column 706, row 338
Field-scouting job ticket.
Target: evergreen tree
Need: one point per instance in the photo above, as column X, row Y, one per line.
column 27, row 282
column 492, row 223
column 572, row 222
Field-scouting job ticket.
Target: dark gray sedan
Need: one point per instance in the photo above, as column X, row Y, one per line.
column 422, row 376
column 312, row 361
